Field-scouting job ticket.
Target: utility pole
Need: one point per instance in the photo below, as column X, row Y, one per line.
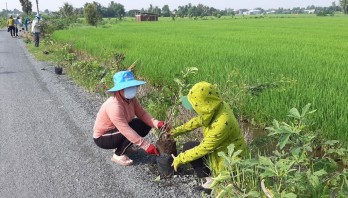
column 6, row 11
column 37, row 6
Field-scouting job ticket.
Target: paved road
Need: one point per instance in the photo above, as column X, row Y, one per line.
column 46, row 146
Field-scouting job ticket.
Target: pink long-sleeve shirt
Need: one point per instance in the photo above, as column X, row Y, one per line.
column 117, row 113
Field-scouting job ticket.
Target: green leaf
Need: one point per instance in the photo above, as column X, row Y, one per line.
column 268, row 173
column 179, row 82
column 275, row 132
column 230, row 149
column 246, row 163
column 305, row 109
column 253, row 194
column 265, row 161
column 222, row 177
column 331, row 142
column 193, row 69
column 283, row 141
column 225, row 157
column 222, row 194
column 296, row 152
column 294, row 113
column 341, row 151
column 289, row 195
column 222, row 154
column 320, row 173
column 235, row 154
column 277, row 153
column 314, row 180
column 287, row 129
column 275, row 124
column 312, row 111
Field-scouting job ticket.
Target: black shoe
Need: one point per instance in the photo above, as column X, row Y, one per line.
column 201, row 189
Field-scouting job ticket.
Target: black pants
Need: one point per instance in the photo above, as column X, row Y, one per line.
column 199, row 166
column 36, row 39
column 12, row 30
column 115, row 140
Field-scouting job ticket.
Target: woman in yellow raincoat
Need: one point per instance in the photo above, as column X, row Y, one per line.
column 220, row 129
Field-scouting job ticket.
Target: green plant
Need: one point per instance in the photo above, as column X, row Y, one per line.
column 78, row 69
column 294, row 169
column 164, row 102
column 238, row 178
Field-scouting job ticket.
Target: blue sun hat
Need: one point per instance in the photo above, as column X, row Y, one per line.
column 124, row 79
column 186, row 103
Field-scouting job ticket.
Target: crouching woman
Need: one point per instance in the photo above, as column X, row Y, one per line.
column 122, row 121
column 220, row 129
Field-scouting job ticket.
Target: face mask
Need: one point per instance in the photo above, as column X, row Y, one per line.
column 130, row 92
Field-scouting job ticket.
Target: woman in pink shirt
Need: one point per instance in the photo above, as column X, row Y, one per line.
column 122, row 121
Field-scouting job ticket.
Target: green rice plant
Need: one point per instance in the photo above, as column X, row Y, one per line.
column 308, row 50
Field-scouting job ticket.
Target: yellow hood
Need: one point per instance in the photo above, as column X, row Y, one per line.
column 205, row 100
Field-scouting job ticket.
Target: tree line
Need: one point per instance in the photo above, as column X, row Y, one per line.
column 117, row 10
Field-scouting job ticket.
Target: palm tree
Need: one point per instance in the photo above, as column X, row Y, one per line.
column 67, row 10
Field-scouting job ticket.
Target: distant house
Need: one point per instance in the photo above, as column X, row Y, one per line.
column 253, row 12
column 12, row 14
column 145, row 16
column 242, row 11
column 309, row 11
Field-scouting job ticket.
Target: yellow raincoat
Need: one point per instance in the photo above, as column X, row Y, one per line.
column 220, row 127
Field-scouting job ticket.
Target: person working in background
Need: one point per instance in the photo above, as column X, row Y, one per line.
column 35, row 29
column 26, row 22
column 18, row 23
column 11, row 27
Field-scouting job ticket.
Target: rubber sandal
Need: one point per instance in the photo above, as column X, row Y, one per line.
column 122, row 160
column 207, row 183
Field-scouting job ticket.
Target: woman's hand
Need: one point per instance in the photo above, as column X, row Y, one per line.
column 162, row 125
column 152, row 150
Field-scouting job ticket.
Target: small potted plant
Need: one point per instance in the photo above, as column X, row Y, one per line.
column 58, row 70
column 166, row 147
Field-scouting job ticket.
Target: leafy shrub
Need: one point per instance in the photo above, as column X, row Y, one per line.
column 91, row 14
column 2, row 22
column 51, row 24
column 302, row 165
column 325, row 13
column 80, row 69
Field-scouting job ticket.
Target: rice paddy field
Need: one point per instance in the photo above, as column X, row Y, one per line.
column 306, row 56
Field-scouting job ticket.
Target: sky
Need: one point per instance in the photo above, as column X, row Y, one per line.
column 173, row 4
